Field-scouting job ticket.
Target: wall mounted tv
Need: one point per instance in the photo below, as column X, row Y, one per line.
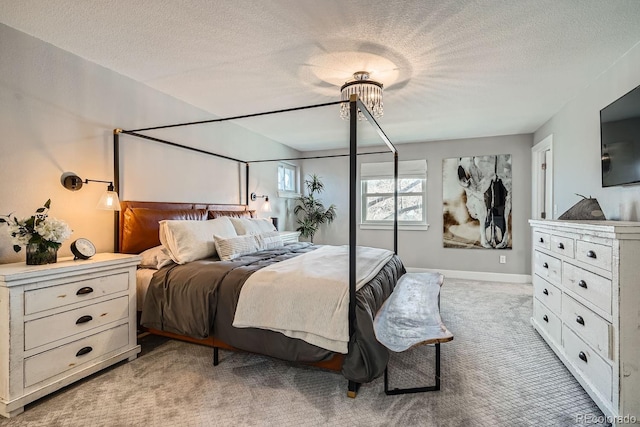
column 620, row 140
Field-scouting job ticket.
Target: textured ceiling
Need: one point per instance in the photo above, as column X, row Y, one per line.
column 451, row 69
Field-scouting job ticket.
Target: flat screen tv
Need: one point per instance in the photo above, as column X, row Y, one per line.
column 620, row 140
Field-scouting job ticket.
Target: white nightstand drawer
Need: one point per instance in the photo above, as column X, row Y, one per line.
column 548, row 294
column 547, row 267
column 69, row 356
column 562, row 245
column 58, row 296
column 52, row 328
column 593, row 288
column 592, row 328
column 547, row 320
column 594, row 254
column 593, row 367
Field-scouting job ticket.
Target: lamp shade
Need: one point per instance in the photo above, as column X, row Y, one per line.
column 266, row 206
column 109, row 201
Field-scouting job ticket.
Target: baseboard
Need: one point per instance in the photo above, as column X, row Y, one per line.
column 476, row 275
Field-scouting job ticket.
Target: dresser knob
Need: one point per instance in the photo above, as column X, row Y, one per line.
column 84, row 319
column 580, row 320
column 582, row 356
column 545, row 318
column 545, row 265
column 591, row 254
column 546, row 292
column 84, row 350
column 84, row 291
column 582, row 284
column 560, row 246
column 541, row 240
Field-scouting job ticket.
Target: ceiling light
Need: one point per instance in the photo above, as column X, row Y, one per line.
column 369, row 92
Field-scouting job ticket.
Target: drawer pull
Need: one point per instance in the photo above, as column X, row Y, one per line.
column 84, row 291
column 84, row 319
column 545, row 318
column 582, row 356
column 580, row 320
column 84, row 350
column 591, row 254
column 582, row 284
column 546, row 292
column 545, row 265
column 560, row 246
column 541, row 240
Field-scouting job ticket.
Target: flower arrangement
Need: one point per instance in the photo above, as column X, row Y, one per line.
column 41, row 234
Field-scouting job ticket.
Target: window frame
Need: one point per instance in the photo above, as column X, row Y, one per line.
column 296, row 184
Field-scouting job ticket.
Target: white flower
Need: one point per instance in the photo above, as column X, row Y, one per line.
column 19, row 234
column 53, row 230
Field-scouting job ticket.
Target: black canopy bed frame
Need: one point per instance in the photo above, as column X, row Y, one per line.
column 355, row 106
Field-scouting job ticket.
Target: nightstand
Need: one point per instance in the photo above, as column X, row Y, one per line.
column 289, row 236
column 62, row 322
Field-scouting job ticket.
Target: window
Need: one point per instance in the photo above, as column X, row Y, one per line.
column 377, row 193
column 287, row 180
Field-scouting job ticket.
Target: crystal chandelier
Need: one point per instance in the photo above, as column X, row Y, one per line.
column 369, row 92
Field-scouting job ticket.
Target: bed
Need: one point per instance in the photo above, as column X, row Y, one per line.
column 197, row 300
column 362, row 358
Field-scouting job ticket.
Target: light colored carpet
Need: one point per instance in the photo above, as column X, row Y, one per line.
column 496, row 372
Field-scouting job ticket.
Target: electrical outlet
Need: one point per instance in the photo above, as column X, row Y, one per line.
column 503, row 259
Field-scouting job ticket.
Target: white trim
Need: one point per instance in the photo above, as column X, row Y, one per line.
column 288, row 194
column 416, row 227
column 537, row 192
column 476, row 275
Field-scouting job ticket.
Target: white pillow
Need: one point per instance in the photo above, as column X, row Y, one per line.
column 252, row 225
column 189, row 240
column 155, row 258
column 233, row 247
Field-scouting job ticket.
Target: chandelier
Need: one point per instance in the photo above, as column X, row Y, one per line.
column 369, row 92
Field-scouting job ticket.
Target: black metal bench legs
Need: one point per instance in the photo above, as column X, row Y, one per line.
column 415, row 389
column 215, row 356
column 352, row 392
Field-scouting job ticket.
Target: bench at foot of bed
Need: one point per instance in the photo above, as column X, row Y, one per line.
column 411, row 317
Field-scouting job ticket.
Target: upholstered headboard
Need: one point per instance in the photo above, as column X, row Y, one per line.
column 138, row 226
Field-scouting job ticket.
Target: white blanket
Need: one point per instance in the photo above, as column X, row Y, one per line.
column 307, row 297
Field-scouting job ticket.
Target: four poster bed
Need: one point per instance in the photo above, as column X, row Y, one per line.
column 205, row 298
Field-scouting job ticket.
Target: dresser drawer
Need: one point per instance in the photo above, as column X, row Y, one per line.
column 593, row 288
column 594, row 254
column 589, row 326
column 58, row 296
column 541, row 240
column 562, row 245
column 69, row 356
column 547, row 320
column 548, row 294
column 547, row 267
column 593, row 367
column 52, row 328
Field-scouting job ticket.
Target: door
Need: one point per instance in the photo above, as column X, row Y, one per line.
column 542, row 179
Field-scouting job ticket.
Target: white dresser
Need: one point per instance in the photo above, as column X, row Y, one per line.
column 586, row 278
column 61, row 322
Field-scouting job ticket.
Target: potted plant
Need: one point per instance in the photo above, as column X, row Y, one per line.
column 313, row 213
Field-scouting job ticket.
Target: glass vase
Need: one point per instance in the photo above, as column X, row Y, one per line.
column 39, row 253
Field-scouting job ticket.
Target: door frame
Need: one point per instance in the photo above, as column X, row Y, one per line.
column 542, row 179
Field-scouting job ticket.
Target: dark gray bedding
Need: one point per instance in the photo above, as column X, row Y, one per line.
column 198, row 299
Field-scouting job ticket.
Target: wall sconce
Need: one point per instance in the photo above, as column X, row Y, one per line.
column 108, row 201
column 266, row 206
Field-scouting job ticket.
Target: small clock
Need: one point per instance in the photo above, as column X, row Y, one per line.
column 83, row 249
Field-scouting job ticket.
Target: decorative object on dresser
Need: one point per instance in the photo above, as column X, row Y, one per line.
column 41, row 235
column 62, row 322
column 585, row 306
column 82, row 248
column 586, row 209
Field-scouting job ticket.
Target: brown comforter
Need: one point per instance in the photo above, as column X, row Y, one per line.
column 198, row 299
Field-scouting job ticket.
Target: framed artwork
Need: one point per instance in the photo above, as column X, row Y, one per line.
column 476, row 202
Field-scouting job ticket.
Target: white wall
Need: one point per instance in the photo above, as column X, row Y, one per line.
column 57, row 114
column 576, row 143
column 424, row 249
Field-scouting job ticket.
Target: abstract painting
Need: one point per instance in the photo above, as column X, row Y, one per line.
column 476, row 198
